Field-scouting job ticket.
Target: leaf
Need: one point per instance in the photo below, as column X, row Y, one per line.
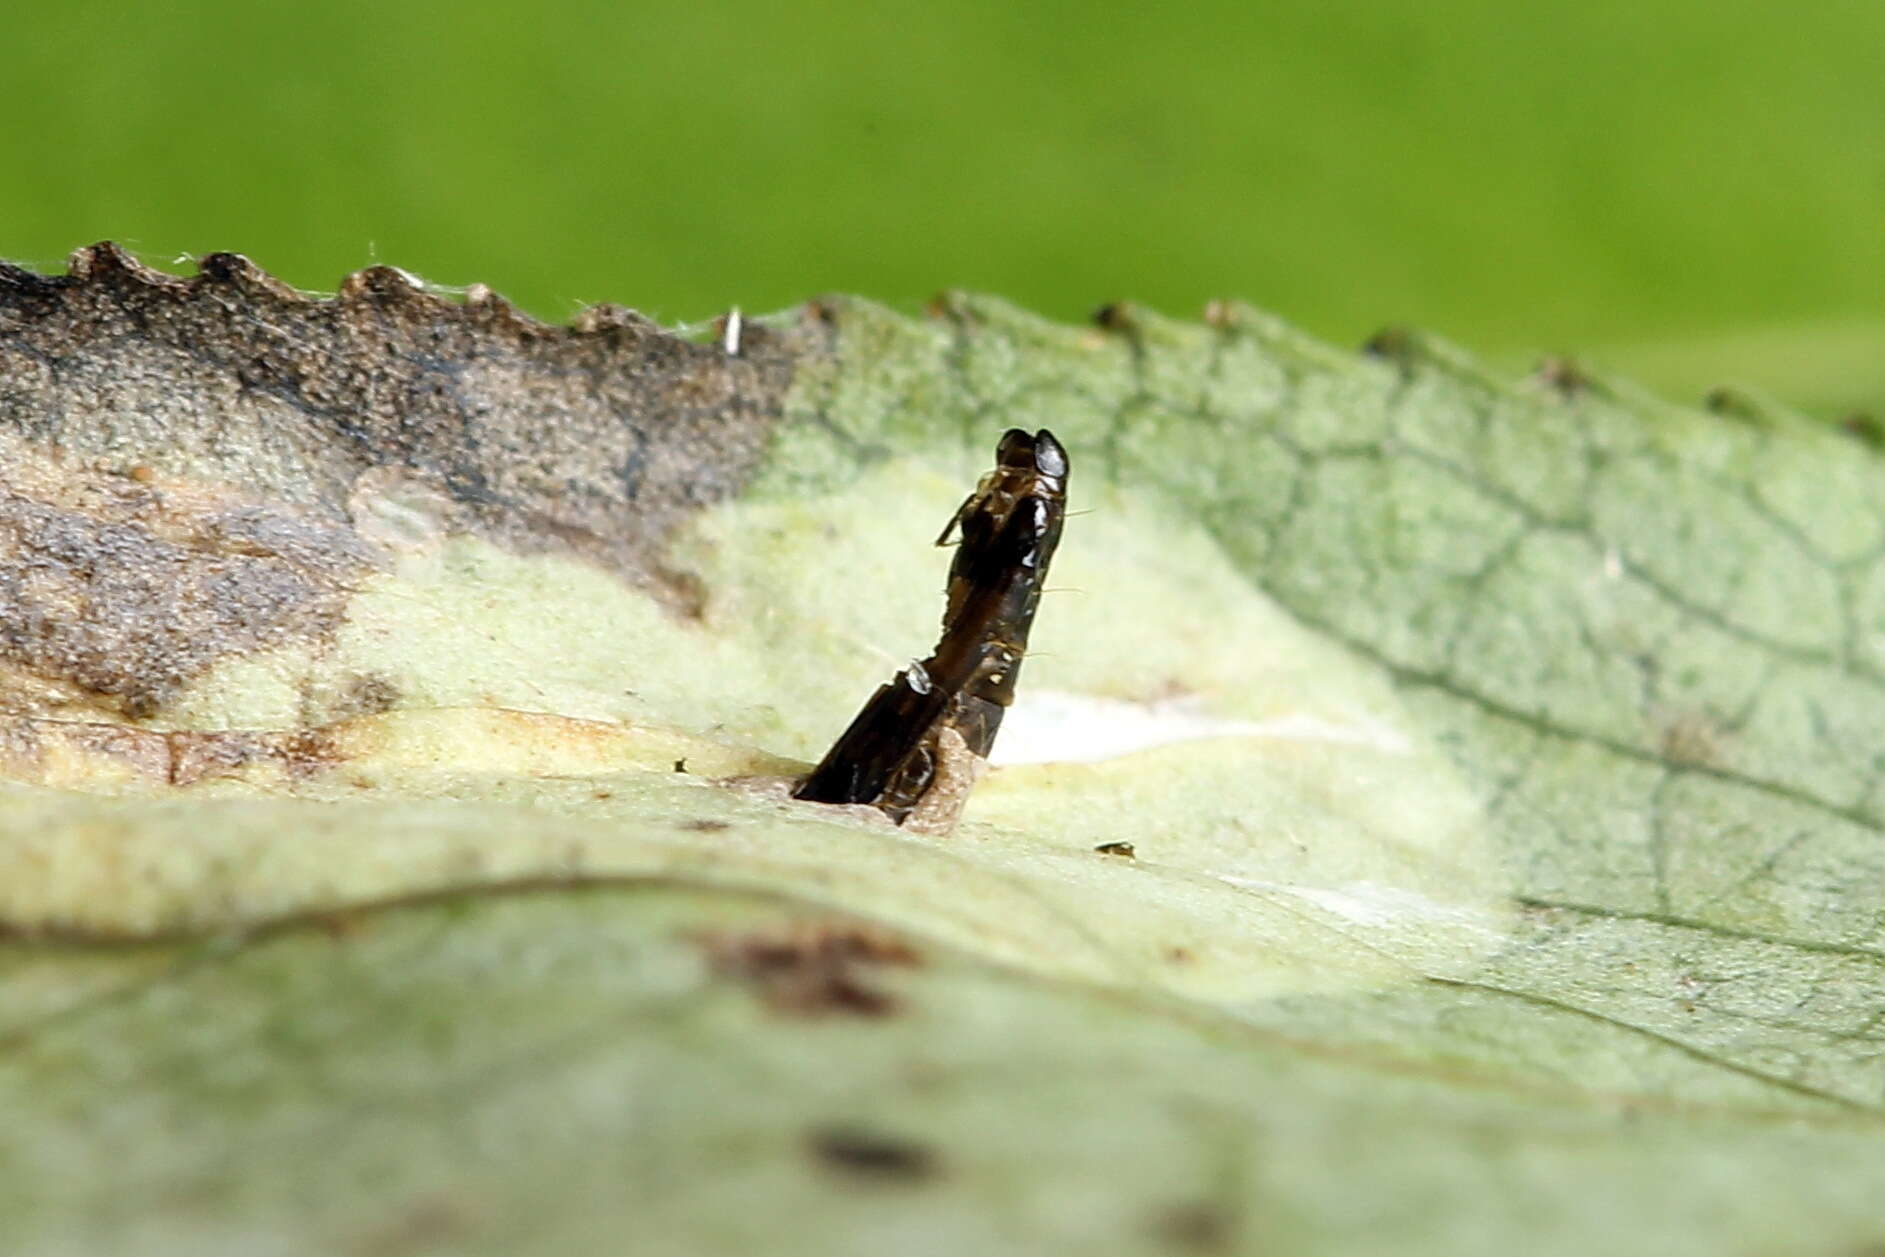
column 1497, row 762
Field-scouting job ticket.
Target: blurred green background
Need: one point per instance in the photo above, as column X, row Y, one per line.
column 1687, row 192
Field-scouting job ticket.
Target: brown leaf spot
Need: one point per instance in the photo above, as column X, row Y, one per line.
column 810, row 969
column 366, row 694
column 343, row 925
column 426, row 1224
column 60, row 752
column 1197, row 1226
column 1866, row 427
column 1395, row 343
column 196, row 757
column 310, row 751
column 1564, row 376
column 1691, row 738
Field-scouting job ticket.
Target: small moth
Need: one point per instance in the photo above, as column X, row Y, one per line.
column 923, row 735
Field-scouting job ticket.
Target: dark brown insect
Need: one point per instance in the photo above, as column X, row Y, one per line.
column 894, row 750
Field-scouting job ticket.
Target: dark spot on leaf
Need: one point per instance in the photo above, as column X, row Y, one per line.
column 810, row 969
column 1121, row 849
column 309, row 752
column 1196, row 1226
column 427, row 1224
column 194, row 757
column 1116, row 316
column 342, row 926
column 1179, row 955
column 1691, row 738
column 1564, row 376
column 680, row 765
column 1731, row 403
column 684, row 591
column 366, row 694
column 1867, row 428
column 1393, row 343
column 872, row 1155
column 704, row 826
column 951, row 305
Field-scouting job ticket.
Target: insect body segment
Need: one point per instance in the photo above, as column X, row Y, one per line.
column 1009, row 527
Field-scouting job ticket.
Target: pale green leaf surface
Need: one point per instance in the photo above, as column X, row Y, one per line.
column 1513, row 886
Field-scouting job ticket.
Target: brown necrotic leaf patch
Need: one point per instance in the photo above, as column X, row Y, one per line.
column 115, row 591
column 183, row 462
